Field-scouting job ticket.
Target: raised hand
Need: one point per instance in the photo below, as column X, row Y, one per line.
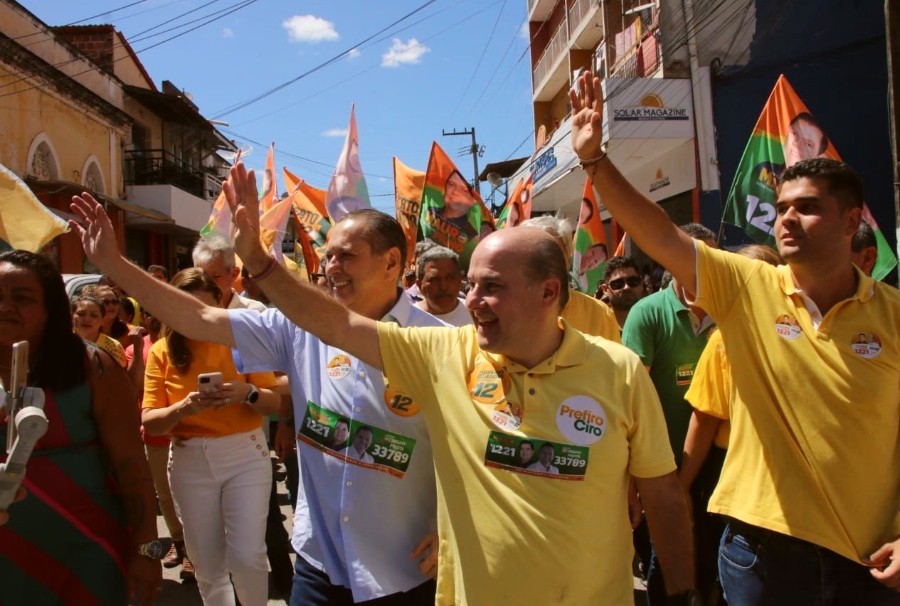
column 97, row 235
column 587, row 117
column 241, row 195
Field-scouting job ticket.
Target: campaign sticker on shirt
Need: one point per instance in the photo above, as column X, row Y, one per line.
column 338, row 367
column 399, row 404
column 866, row 345
column 533, row 457
column 581, row 419
column 488, row 384
column 684, row 373
column 508, row 416
column 787, row 327
column 354, row 442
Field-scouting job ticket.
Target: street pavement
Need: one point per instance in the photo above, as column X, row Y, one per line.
column 175, row 592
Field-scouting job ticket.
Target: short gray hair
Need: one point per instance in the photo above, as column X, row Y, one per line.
column 209, row 247
column 435, row 253
column 557, row 226
column 422, row 247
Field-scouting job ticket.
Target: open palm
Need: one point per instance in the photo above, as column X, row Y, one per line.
column 587, row 117
column 95, row 229
column 241, row 194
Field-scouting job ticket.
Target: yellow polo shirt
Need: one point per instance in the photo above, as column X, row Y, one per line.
column 516, row 531
column 591, row 316
column 814, row 450
column 712, row 390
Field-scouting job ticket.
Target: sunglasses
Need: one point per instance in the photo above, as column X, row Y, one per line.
column 631, row 281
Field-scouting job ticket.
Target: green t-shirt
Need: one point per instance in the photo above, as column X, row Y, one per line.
column 659, row 330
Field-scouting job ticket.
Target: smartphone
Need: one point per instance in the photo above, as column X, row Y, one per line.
column 209, row 381
column 18, row 375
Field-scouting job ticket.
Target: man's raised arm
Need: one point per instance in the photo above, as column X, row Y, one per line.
column 175, row 308
column 644, row 220
column 302, row 303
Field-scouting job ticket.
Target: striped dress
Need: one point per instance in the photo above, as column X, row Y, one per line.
column 66, row 543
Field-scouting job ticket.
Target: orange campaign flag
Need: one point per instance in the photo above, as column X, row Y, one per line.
column 452, row 211
column 408, row 184
column 273, row 227
column 620, row 249
column 310, row 258
column 309, row 207
column 314, row 195
column 589, row 259
column 518, row 205
column 269, row 195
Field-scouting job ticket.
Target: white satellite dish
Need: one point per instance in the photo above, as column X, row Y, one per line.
column 495, row 179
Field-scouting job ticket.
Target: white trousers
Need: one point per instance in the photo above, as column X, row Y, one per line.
column 221, row 490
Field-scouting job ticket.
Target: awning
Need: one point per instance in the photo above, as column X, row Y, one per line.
column 506, row 168
column 68, row 188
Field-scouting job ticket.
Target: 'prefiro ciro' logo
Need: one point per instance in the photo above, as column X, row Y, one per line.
column 581, row 420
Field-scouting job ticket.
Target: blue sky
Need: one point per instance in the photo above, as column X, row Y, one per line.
column 417, row 78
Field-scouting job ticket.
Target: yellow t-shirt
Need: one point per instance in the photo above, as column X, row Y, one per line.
column 113, row 348
column 517, row 529
column 165, row 385
column 591, row 316
column 814, row 441
column 712, row 390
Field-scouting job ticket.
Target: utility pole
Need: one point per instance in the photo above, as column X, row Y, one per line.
column 475, row 150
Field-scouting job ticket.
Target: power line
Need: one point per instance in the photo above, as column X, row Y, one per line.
column 243, row 104
column 480, row 59
column 220, row 15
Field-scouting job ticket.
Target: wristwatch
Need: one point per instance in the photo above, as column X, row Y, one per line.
column 253, row 396
column 688, row 598
column 154, row 550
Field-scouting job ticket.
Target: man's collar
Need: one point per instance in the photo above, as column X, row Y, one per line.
column 572, row 351
column 865, row 288
column 400, row 312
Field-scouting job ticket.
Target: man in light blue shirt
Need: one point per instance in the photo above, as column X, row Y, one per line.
column 361, row 525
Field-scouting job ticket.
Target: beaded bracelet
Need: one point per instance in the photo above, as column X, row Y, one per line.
column 586, row 163
column 267, row 271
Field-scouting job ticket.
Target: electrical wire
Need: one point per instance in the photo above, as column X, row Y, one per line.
column 480, row 59
column 283, row 85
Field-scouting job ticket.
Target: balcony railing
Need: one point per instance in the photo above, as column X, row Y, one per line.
column 641, row 61
column 577, row 13
column 556, row 47
column 160, row 167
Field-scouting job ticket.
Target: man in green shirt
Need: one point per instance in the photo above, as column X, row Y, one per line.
column 669, row 335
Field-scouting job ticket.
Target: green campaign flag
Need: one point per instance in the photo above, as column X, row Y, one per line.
column 785, row 133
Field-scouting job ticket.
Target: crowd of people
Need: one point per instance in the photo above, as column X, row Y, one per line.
column 481, row 435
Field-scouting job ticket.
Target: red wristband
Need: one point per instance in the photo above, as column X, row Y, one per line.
column 267, row 271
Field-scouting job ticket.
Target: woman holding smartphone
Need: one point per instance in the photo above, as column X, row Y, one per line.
column 219, row 467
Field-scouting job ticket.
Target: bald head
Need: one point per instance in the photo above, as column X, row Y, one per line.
column 535, row 250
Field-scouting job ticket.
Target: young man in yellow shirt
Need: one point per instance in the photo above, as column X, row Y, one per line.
column 811, row 479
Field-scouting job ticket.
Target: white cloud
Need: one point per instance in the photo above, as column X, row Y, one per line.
column 227, row 33
column 309, row 28
column 382, row 180
column 524, row 33
column 353, row 53
column 403, row 53
column 336, row 132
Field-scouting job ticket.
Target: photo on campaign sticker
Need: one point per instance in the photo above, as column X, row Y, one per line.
column 866, row 345
column 535, row 457
column 356, row 443
column 338, row 367
column 787, row 327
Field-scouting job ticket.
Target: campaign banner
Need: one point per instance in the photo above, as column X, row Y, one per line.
column 591, row 252
column 529, row 456
column 25, row 223
column 356, row 443
column 408, row 184
column 347, row 190
column 308, row 203
column 518, row 205
column 785, row 134
column 453, row 213
column 268, row 195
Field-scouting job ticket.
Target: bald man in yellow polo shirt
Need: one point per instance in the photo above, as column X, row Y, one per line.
column 811, row 480
column 519, row 374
